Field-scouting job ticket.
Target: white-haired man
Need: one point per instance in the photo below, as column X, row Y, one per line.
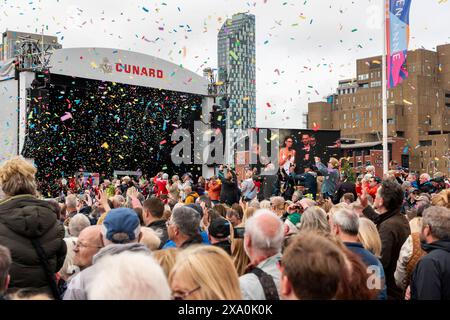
column 78, row 223
column 263, row 240
column 345, row 225
column 120, row 232
column 129, row 276
column 425, row 184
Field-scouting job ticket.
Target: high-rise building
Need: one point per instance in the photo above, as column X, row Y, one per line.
column 418, row 108
column 237, row 59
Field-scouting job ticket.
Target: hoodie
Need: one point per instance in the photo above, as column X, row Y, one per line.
column 78, row 285
column 431, row 277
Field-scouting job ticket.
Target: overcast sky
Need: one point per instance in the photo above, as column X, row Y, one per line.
column 303, row 46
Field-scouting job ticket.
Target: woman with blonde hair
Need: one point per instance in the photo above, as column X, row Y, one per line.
column 240, row 258
column 29, row 226
column 442, row 199
column 248, row 213
column 204, row 273
column 369, row 237
column 166, row 259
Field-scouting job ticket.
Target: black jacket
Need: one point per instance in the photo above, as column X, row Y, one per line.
column 159, row 226
column 431, row 277
column 393, row 228
column 343, row 188
column 309, row 180
column 225, row 245
column 229, row 193
column 23, row 218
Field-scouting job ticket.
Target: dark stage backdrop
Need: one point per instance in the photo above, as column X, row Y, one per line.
column 97, row 126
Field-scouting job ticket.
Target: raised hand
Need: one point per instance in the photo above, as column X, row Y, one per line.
column 363, row 199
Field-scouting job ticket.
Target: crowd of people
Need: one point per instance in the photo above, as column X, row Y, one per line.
column 314, row 235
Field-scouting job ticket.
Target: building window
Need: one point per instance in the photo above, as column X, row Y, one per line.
column 390, row 121
column 345, row 116
column 370, row 123
column 375, row 84
column 364, row 76
column 425, row 143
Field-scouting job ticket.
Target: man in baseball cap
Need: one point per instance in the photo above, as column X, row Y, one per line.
column 121, row 226
column 218, row 233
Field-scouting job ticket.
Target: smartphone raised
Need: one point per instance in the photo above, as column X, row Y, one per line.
column 239, row 232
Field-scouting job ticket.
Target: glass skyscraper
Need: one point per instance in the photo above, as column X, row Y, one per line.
column 237, row 60
column 236, row 56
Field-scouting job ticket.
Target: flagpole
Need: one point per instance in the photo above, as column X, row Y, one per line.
column 384, row 88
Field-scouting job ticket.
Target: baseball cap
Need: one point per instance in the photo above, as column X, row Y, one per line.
column 219, row 228
column 121, row 225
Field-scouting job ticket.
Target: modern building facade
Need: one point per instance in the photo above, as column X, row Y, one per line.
column 237, row 71
column 418, row 108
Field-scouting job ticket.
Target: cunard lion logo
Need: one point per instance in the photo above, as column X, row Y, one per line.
column 105, row 66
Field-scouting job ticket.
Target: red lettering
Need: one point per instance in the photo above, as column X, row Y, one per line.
column 140, row 71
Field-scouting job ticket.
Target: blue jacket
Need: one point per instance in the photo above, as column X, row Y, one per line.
column 370, row 260
column 171, row 244
column 331, row 180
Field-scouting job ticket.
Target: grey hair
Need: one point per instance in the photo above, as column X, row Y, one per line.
column 347, row 220
column 314, row 219
column 265, row 204
column 77, row 223
column 165, row 176
column 426, row 175
column 187, row 220
column 261, row 241
column 438, row 218
column 119, row 200
column 122, row 278
column 370, row 168
column 71, row 201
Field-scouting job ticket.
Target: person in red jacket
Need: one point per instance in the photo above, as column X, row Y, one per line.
column 374, row 184
column 160, row 182
column 213, row 188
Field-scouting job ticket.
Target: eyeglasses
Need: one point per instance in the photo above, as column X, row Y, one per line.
column 290, row 141
column 183, row 295
column 79, row 244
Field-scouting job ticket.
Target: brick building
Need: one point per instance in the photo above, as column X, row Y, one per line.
column 418, row 108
